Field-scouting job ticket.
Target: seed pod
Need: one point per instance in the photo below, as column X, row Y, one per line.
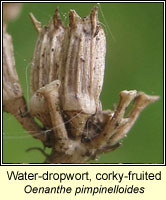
column 46, row 64
column 75, row 55
column 84, row 70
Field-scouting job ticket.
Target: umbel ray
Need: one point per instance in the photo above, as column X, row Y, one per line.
column 66, row 80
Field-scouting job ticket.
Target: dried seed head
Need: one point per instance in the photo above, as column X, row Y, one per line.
column 66, row 80
column 75, row 55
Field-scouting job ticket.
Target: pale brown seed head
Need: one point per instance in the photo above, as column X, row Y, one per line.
column 75, row 55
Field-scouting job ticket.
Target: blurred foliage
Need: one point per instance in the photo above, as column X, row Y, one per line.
column 134, row 61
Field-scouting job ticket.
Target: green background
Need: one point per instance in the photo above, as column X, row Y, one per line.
column 134, row 60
